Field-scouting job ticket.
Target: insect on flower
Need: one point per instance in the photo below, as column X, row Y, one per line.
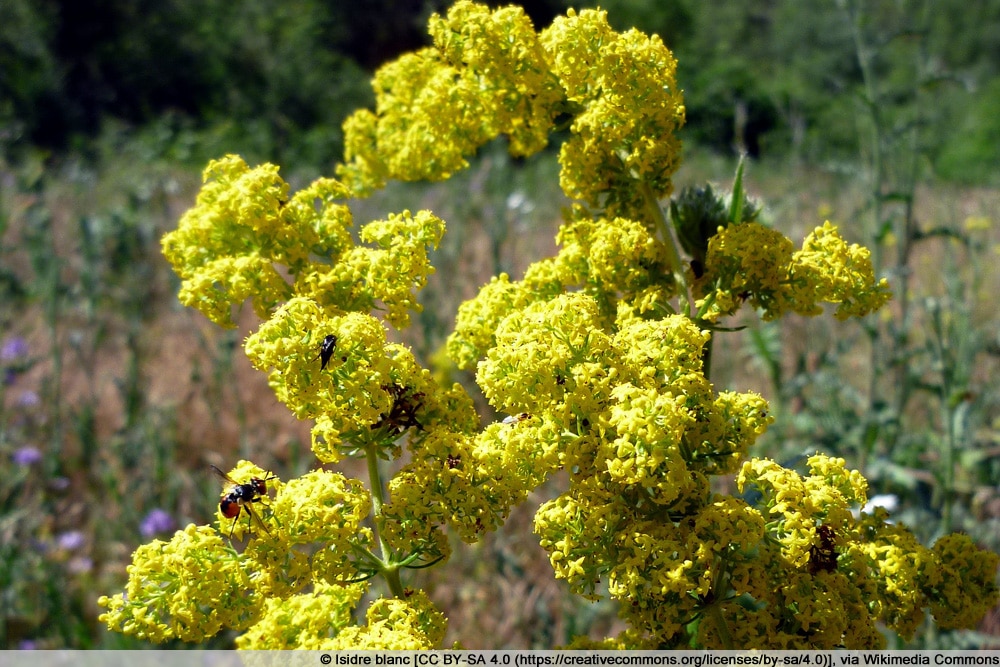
column 403, row 414
column 514, row 419
column 241, row 497
column 823, row 556
column 326, row 349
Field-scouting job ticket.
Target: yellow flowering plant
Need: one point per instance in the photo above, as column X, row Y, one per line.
column 598, row 354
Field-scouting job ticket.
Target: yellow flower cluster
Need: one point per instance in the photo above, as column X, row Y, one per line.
column 833, row 576
column 963, row 587
column 488, row 73
column 631, row 110
column 238, row 210
column 896, row 559
column 752, row 263
column 954, row 578
column 196, row 584
column 307, row 621
column 244, row 235
column 502, row 61
column 617, row 255
column 322, row 621
column 794, row 506
column 188, row 588
column 453, row 481
column 408, row 624
column 835, row 272
column 485, row 74
column 617, row 261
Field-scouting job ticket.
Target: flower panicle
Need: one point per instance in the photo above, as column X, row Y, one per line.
column 751, row 263
column 590, row 355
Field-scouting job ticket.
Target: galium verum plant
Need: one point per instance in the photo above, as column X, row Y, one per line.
column 597, row 354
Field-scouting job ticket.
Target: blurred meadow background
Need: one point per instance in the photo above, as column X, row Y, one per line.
column 882, row 116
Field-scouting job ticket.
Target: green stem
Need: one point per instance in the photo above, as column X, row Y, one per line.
column 720, row 591
column 52, row 317
column 715, row 611
column 948, row 414
column 876, row 161
column 374, row 478
column 706, row 357
column 670, row 242
column 390, row 568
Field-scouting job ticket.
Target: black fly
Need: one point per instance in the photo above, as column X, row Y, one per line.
column 326, row 349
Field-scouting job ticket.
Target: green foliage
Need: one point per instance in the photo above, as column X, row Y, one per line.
column 267, row 74
column 273, row 80
column 30, row 69
column 969, row 155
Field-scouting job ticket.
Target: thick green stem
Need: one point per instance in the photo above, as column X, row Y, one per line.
column 715, row 611
column 390, row 569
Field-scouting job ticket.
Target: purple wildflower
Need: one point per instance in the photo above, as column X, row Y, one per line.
column 28, row 399
column 157, row 521
column 13, row 349
column 13, row 357
column 71, row 540
column 26, row 456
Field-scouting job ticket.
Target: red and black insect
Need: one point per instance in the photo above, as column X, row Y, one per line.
column 406, row 402
column 823, row 556
column 326, row 349
column 241, row 497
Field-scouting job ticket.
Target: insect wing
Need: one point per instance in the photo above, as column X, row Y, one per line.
column 240, row 497
column 224, row 476
column 256, row 517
